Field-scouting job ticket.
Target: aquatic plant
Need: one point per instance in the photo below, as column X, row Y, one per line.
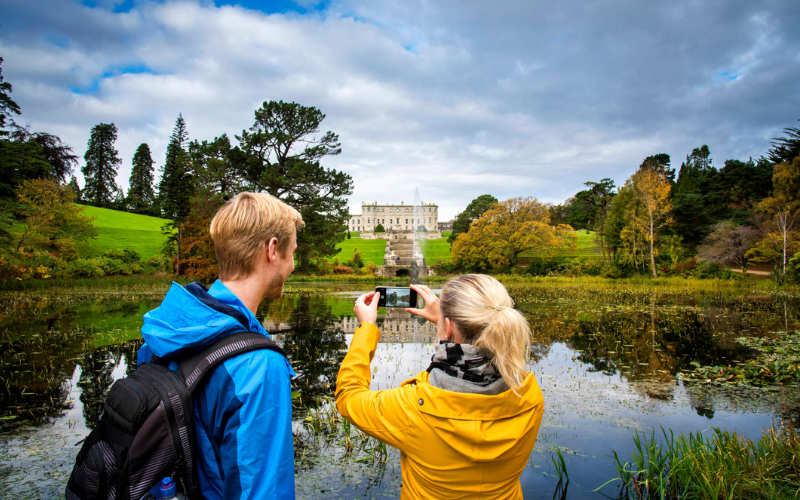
column 721, row 465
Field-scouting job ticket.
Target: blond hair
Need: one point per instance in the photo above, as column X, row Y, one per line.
column 484, row 313
column 246, row 223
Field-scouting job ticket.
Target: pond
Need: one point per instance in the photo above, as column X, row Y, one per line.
column 607, row 357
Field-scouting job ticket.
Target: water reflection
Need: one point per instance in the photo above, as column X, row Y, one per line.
column 604, row 361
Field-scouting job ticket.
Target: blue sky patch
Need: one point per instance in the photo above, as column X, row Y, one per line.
column 120, row 6
column 277, row 6
column 110, row 72
column 727, row 76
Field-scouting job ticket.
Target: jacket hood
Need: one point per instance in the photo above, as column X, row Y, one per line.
column 189, row 317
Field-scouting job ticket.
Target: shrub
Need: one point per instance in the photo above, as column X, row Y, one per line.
column 67, row 249
column 342, row 270
column 710, row 270
column 445, row 267
column 126, row 255
column 379, row 229
column 85, row 268
column 422, row 229
column 615, row 270
column 369, row 269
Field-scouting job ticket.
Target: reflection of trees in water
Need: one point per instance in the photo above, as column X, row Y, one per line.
column 644, row 345
column 34, row 371
column 316, row 346
column 96, row 377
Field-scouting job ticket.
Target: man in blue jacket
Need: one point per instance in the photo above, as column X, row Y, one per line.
column 243, row 411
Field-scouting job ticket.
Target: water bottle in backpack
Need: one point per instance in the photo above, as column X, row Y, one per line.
column 169, row 491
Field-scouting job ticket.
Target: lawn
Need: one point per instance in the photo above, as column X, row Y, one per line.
column 371, row 250
column 116, row 229
column 586, row 248
column 435, row 250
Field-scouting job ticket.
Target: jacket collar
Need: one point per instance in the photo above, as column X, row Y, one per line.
column 461, row 406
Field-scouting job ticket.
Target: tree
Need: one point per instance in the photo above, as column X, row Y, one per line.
column 58, row 154
column 507, row 229
column 379, row 228
column 652, row 190
column 175, row 189
column 600, row 195
column 474, row 210
column 660, row 164
column 696, row 205
column 784, row 149
column 728, row 244
column 50, row 213
column 783, row 208
column 102, row 161
column 73, row 185
column 8, row 107
column 213, row 168
column 281, row 155
column 141, row 195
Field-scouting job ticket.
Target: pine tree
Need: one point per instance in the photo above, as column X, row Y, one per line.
column 102, row 161
column 175, row 189
column 73, row 184
column 141, row 195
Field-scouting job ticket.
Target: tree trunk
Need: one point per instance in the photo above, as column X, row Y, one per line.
column 178, row 257
column 652, row 245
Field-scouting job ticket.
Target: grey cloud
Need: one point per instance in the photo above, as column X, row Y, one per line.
column 458, row 98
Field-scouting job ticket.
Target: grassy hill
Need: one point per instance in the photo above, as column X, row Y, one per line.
column 116, row 229
column 371, row 250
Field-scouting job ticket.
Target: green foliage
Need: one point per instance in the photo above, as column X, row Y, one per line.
column 356, row 263
column 784, row 149
column 102, row 162
column 422, row 229
column 379, row 228
column 126, row 256
column 175, row 187
column 8, row 107
column 722, row 465
column 474, row 210
column 281, row 155
column 141, row 194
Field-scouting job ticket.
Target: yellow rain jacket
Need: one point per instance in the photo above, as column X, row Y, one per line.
column 453, row 445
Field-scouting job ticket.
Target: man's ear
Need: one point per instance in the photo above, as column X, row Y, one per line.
column 272, row 250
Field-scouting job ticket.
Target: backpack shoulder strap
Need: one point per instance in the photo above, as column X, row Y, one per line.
column 195, row 366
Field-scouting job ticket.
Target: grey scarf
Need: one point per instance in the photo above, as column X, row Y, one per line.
column 464, row 368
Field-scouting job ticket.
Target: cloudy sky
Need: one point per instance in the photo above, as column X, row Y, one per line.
column 458, row 98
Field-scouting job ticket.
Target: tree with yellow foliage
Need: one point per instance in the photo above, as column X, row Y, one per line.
column 783, row 208
column 507, row 229
column 652, row 192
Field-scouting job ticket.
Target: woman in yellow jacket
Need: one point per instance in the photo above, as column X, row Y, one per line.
column 467, row 425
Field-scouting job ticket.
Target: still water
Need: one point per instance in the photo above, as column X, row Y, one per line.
column 608, row 360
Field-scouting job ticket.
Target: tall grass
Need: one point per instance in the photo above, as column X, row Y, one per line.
column 721, row 465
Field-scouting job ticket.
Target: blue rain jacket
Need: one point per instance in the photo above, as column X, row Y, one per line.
column 243, row 411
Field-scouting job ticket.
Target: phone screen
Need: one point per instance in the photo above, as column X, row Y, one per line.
column 397, row 297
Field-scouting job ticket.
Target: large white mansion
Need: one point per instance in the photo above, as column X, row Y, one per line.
column 400, row 217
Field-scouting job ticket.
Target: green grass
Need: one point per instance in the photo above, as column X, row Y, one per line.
column 719, row 465
column 446, row 234
column 435, row 250
column 371, row 250
column 116, row 229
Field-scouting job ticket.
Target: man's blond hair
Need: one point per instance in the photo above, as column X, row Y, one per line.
column 246, row 223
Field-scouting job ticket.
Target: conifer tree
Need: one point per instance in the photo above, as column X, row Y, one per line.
column 141, row 195
column 73, row 184
column 175, row 189
column 102, row 161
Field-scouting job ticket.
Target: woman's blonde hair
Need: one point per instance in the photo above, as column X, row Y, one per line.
column 242, row 227
column 484, row 313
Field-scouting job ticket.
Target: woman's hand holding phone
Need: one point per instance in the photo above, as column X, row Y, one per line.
column 366, row 308
column 431, row 309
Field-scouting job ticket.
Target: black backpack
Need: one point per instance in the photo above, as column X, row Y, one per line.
column 146, row 432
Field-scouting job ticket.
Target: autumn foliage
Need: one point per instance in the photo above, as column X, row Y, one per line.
column 506, row 230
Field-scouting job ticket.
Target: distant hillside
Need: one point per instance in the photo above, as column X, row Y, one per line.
column 116, row 229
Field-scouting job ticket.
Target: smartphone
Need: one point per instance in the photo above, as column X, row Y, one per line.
column 396, row 296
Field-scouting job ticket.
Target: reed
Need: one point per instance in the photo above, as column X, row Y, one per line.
column 721, row 465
